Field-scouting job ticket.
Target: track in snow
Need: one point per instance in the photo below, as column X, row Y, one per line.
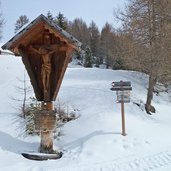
column 149, row 163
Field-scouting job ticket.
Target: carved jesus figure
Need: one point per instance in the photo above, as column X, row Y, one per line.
column 46, row 67
column 45, row 50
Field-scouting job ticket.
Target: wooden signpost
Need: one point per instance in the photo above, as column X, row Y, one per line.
column 46, row 50
column 122, row 89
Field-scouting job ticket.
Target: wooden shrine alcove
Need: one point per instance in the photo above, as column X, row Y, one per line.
column 46, row 50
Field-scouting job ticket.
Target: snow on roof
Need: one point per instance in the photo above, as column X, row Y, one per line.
column 65, row 34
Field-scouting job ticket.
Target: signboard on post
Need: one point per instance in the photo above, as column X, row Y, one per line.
column 122, row 89
column 45, row 121
column 123, row 96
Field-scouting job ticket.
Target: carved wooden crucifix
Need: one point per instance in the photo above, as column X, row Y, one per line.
column 46, row 50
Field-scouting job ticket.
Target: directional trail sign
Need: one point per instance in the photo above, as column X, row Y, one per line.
column 122, row 85
column 122, row 89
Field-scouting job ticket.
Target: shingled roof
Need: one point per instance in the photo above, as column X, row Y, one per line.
column 67, row 37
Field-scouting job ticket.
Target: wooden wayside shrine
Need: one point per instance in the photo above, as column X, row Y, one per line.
column 46, row 50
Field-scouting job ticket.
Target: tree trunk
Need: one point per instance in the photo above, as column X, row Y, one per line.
column 46, row 145
column 148, row 107
column 154, row 61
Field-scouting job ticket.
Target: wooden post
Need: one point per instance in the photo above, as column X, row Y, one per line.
column 46, row 145
column 122, row 110
column 123, row 118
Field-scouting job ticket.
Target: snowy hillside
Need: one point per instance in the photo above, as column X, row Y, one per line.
column 92, row 142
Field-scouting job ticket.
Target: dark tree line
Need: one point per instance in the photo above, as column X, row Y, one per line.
column 103, row 44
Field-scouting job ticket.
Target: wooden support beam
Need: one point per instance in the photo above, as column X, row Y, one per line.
column 25, row 59
column 68, row 54
column 47, row 106
column 46, row 145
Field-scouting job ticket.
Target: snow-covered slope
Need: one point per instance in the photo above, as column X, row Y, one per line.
column 93, row 142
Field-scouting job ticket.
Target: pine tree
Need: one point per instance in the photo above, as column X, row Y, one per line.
column 88, row 58
column 21, row 22
column 94, row 41
column 61, row 21
column 94, row 38
column 118, row 64
column 50, row 16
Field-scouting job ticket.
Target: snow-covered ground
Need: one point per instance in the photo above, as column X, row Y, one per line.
column 93, row 142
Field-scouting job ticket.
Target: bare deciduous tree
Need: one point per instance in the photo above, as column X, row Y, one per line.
column 149, row 25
